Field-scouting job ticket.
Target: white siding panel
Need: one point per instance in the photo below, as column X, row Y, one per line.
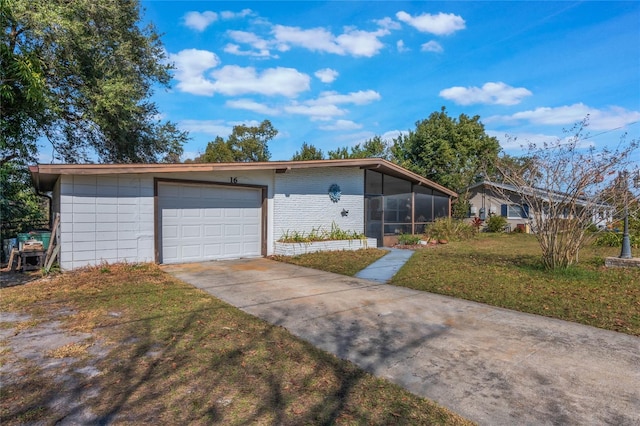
column 103, row 218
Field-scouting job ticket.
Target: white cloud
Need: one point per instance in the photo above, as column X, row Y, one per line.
column 432, row 46
column 199, row 21
column 235, row 80
column 360, row 97
column 210, row 127
column 388, row 23
column 249, row 38
column 191, row 65
column 361, row 43
column 315, row 112
column 260, row 47
column 327, row 75
column 599, row 119
column 351, row 42
column 490, row 93
column 234, row 49
column 326, row 106
column 401, row 47
column 440, row 24
column 233, row 15
column 389, row 135
column 251, row 105
column 342, row 125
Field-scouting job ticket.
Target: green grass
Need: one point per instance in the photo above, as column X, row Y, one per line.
column 341, row 262
column 506, row 271
column 175, row 355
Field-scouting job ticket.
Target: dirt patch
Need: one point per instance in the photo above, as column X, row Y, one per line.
column 46, row 371
column 10, row 279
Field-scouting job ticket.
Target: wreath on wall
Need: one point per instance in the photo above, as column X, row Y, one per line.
column 335, row 192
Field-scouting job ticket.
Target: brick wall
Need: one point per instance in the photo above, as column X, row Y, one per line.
column 301, row 200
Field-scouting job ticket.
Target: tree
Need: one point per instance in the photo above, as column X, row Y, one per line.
column 372, row 148
column 452, row 152
column 567, row 187
column 21, row 209
column 308, row 152
column 80, row 73
column 245, row 144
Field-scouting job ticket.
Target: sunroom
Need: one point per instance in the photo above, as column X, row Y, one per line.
column 395, row 206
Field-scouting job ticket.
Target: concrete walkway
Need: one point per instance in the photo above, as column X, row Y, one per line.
column 491, row 365
column 382, row 270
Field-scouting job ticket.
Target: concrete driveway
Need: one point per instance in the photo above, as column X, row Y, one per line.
column 491, row 365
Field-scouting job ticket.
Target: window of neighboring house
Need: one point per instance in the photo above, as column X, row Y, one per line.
column 515, row 211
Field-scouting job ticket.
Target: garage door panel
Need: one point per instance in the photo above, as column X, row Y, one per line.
column 233, row 231
column 212, row 231
column 213, row 249
column 233, row 248
column 213, row 213
column 191, row 231
column 252, row 230
column 220, row 223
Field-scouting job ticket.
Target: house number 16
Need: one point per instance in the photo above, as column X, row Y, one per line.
column 233, row 179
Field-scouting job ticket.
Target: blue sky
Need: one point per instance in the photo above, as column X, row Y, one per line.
column 338, row 73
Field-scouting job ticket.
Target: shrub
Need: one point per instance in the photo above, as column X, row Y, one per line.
column 318, row 234
column 476, row 222
column 409, row 239
column 614, row 239
column 450, row 229
column 496, row 223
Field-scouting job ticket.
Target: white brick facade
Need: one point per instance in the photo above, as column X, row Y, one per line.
column 301, row 200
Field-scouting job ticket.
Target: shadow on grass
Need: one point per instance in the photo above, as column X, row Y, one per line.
column 206, row 362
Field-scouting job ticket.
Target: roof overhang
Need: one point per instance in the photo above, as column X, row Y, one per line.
column 45, row 176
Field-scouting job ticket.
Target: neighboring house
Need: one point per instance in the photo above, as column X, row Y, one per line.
column 173, row 213
column 491, row 198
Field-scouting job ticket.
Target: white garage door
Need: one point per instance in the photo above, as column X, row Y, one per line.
column 205, row 222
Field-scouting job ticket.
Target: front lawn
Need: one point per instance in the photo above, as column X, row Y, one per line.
column 154, row 350
column 340, row 262
column 505, row 270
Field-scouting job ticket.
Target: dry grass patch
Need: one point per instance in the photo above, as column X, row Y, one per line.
column 71, row 350
column 181, row 356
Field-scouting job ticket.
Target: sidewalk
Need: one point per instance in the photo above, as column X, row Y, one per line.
column 386, row 267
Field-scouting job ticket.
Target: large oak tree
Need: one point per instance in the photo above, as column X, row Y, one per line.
column 80, row 74
column 452, row 152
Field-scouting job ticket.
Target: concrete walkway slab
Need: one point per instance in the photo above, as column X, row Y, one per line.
column 386, row 267
column 491, row 365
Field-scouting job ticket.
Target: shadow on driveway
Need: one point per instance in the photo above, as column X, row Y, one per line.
column 491, row 365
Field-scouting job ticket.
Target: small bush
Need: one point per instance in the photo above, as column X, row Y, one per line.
column 409, row 239
column 614, row 239
column 496, row 223
column 450, row 229
column 318, row 234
